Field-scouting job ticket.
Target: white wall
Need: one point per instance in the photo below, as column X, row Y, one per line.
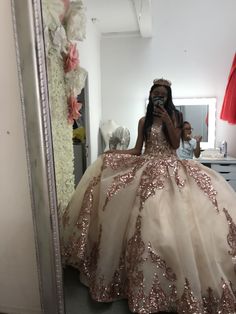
column 19, row 290
column 193, row 45
column 89, row 53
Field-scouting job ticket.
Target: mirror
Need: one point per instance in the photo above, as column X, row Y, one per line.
column 30, row 54
column 47, row 161
column 201, row 113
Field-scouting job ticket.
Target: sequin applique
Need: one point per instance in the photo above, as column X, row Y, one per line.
column 120, row 162
column 159, row 162
column 88, row 264
column 210, row 302
column 231, row 237
column 203, row 181
column 188, row 303
column 122, row 180
column 226, row 303
column 160, row 263
column 84, row 215
column 115, row 289
column 157, row 145
column 77, row 242
column 154, row 175
column 134, row 256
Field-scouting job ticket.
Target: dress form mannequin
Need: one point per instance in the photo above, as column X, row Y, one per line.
column 120, row 138
column 107, row 128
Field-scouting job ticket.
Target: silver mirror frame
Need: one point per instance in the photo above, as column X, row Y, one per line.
column 31, row 63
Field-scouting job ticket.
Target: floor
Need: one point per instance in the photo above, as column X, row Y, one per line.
column 78, row 301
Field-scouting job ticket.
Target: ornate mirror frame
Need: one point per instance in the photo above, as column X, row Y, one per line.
column 28, row 30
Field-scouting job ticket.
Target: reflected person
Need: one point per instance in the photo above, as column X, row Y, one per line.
column 151, row 228
column 189, row 145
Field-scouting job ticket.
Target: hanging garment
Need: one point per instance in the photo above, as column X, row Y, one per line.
column 228, row 111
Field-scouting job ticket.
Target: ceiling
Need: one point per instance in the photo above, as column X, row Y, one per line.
column 115, row 17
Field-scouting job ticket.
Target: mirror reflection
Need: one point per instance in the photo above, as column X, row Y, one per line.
column 79, row 138
column 199, row 116
column 140, row 225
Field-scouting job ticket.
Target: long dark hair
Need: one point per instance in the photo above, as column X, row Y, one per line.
column 169, row 107
column 182, row 131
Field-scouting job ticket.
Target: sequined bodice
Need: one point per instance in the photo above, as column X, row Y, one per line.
column 157, row 143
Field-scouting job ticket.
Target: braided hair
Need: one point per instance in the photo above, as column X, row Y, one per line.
column 175, row 115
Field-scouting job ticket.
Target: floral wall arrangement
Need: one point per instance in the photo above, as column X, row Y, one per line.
column 64, row 25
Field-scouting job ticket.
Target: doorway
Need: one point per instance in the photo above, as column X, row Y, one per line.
column 81, row 136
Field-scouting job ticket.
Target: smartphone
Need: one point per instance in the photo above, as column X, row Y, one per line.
column 158, row 101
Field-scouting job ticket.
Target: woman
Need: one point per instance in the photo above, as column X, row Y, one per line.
column 151, row 228
column 189, row 145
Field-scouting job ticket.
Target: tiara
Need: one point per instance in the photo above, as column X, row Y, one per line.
column 162, row 82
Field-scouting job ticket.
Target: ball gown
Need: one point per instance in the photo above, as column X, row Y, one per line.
column 156, row 230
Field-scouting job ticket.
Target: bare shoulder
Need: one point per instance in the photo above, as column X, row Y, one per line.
column 141, row 121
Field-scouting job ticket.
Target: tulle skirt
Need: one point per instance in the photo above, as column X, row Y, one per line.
column 158, row 231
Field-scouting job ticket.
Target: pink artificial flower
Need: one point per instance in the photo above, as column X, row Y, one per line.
column 71, row 59
column 73, row 109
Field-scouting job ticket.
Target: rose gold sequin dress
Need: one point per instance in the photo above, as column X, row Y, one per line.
column 158, row 231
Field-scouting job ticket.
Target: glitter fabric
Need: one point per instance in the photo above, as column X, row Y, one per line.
column 157, row 144
column 210, row 302
column 155, row 230
column 160, row 263
column 154, row 176
column 188, row 303
column 155, row 170
column 231, row 237
column 227, row 301
column 120, row 161
column 203, row 181
column 77, row 244
column 84, row 216
column 122, row 180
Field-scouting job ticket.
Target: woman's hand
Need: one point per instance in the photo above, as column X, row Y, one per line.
column 173, row 131
column 198, row 138
column 197, row 150
column 110, row 151
column 162, row 113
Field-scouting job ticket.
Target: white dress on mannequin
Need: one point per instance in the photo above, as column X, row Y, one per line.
column 107, row 128
column 120, row 138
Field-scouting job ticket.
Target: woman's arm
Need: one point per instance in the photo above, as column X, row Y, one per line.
column 197, row 150
column 174, row 131
column 174, row 134
column 139, row 142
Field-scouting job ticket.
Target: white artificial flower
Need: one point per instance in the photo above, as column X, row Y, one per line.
column 62, row 132
column 59, row 39
column 52, row 10
column 60, row 87
column 75, row 21
column 55, row 41
column 75, row 80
